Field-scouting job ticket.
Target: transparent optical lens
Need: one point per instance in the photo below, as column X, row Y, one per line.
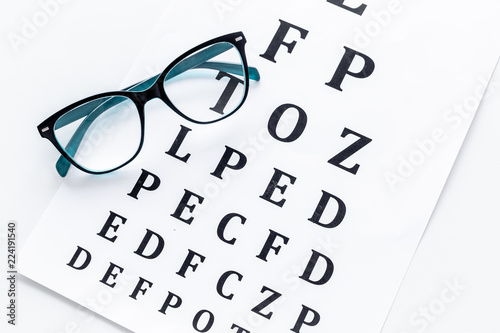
column 209, row 84
column 102, row 134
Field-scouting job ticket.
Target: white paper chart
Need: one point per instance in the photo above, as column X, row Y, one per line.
column 300, row 212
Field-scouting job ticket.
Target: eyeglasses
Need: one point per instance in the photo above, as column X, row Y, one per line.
column 105, row 132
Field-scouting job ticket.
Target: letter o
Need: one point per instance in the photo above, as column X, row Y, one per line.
column 275, row 118
column 210, row 321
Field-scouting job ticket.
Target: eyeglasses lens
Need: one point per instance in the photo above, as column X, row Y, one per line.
column 208, row 84
column 101, row 134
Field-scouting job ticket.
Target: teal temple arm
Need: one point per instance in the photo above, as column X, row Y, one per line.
column 93, row 109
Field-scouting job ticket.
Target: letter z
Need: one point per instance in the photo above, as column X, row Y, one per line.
column 349, row 151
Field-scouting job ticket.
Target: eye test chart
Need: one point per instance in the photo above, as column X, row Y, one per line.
column 302, row 211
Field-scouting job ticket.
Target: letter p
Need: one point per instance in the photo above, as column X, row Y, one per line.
column 344, row 68
column 304, row 320
column 141, row 183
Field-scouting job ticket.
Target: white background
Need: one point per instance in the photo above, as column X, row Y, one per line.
column 88, row 47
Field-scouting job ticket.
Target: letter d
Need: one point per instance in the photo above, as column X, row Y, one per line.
column 327, row 274
column 320, row 209
column 76, row 256
column 145, row 241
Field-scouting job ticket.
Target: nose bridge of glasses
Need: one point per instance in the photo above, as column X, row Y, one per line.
column 153, row 92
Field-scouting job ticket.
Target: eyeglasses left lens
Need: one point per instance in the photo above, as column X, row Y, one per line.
column 101, row 134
